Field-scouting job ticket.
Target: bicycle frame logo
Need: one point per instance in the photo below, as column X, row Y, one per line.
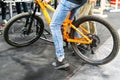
column 67, row 25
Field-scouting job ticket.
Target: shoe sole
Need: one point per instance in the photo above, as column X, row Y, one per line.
column 63, row 66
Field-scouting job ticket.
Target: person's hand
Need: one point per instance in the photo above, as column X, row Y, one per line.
column 46, row 1
column 92, row 1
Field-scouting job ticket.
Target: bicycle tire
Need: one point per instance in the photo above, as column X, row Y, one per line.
column 88, row 52
column 17, row 23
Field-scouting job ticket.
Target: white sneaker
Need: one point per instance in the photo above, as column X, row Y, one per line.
column 4, row 22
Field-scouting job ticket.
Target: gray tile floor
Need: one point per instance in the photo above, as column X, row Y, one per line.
column 34, row 62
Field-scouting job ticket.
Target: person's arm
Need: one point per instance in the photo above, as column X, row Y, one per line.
column 46, row 1
column 92, row 1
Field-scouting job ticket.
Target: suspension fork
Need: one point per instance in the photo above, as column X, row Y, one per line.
column 31, row 19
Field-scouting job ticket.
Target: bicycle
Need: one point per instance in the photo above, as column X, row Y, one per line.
column 88, row 46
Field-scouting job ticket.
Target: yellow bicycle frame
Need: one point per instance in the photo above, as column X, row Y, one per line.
column 67, row 25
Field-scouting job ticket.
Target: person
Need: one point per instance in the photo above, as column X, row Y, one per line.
column 19, row 8
column 98, row 2
column 61, row 12
column 87, row 9
column 3, row 13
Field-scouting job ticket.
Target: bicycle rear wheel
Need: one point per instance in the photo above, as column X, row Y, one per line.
column 105, row 44
column 15, row 32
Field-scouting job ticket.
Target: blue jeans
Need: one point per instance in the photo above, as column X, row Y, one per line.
column 59, row 16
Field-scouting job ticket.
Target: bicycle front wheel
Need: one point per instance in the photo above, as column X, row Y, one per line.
column 15, row 32
column 105, row 41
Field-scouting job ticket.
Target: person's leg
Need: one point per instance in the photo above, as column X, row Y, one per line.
column 18, row 7
column 59, row 16
column 87, row 9
column 83, row 11
column 3, row 5
column 92, row 24
column 55, row 26
column 3, row 13
column 98, row 2
column 25, row 6
column 3, row 10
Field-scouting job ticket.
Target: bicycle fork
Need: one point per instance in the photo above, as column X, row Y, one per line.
column 30, row 20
